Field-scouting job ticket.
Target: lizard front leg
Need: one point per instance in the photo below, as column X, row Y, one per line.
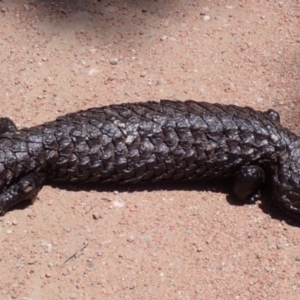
column 25, row 189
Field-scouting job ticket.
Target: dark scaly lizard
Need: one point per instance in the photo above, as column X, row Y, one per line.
column 153, row 141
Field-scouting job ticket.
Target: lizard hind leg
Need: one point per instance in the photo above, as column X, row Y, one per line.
column 248, row 182
column 26, row 188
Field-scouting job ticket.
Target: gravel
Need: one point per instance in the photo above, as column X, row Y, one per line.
column 62, row 56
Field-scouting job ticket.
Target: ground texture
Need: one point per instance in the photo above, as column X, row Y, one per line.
column 143, row 242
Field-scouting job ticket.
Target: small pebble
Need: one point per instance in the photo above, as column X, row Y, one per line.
column 93, row 72
column 114, row 61
column 9, row 231
column 96, row 216
column 111, row 9
column 297, row 258
column 130, row 239
column 117, row 203
column 83, row 62
column 259, row 99
column 49, row 247
column 89, row 264
column 206, row 18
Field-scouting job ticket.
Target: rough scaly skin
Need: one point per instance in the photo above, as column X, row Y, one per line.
column 153, row 141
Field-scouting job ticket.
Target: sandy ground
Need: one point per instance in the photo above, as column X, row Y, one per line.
column 160, row 242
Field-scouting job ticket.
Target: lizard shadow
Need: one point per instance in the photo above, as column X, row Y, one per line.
column 216, row 186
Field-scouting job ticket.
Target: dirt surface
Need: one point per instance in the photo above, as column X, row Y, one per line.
column 159, row 242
